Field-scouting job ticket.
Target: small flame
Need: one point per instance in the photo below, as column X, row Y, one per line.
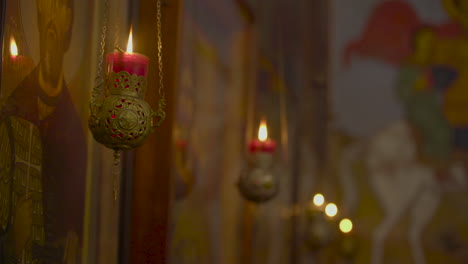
column 331, row 210
column 346, row 225
column 318, row 199
column 130, row 42
column 263, row 131
column 13, row 47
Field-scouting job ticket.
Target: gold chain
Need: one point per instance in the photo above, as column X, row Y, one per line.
column 117, row 24
column 162, row 97
column 160, row 50
column 99, row 81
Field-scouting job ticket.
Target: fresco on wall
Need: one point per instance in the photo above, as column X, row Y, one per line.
column 42, row 136
column 399, row 88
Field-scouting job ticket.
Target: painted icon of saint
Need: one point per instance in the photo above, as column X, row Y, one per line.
column 43, row 154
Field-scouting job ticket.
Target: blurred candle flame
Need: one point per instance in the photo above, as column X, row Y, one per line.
column 263, row 131
column 130, row 42
column 346, row 225
column 13, row 47
column 318, row 199
column 331, row 210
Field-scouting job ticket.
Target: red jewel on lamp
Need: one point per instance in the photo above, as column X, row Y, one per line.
column 263, row 143
column 133, row 63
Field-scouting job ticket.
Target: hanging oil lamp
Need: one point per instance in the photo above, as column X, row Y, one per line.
column 258, row 182
column 320, row 222
column 120, row 118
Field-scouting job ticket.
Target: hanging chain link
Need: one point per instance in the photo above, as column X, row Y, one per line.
column 99, row 81
column 160, row 49
column 117, row 24
column 162, row 97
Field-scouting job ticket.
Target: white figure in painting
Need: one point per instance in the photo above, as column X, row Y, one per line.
column 411, row 163
column 403, row 185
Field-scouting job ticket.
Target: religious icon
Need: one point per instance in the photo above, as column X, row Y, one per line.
column 42, row 149
column 419, row 151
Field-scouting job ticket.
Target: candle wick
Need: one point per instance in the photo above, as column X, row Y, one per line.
column 119, row 50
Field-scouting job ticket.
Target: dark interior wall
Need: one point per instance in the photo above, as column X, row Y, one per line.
column 151, row 187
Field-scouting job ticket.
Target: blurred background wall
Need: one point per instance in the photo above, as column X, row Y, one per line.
column 331, row 77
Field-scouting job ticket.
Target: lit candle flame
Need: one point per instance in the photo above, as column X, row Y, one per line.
column 13, row 47
column 130, row 42
column 318, row 199
column 331, row 210
column 263, row 131
column 346, row 225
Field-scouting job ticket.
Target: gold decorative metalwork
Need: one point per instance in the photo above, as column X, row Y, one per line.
column 21, row 189
column 120, row 119
column 123, row 83
column 160, row 113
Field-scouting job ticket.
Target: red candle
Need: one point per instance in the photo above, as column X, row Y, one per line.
column 255, row 145
column 263, row 143
column 16, row 67
column 18, row 62
column 130, row 62
column 269, row 146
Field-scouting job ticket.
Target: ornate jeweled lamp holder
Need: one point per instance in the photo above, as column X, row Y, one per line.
column 258, row 182
column 120, row 118
column 123, row 120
